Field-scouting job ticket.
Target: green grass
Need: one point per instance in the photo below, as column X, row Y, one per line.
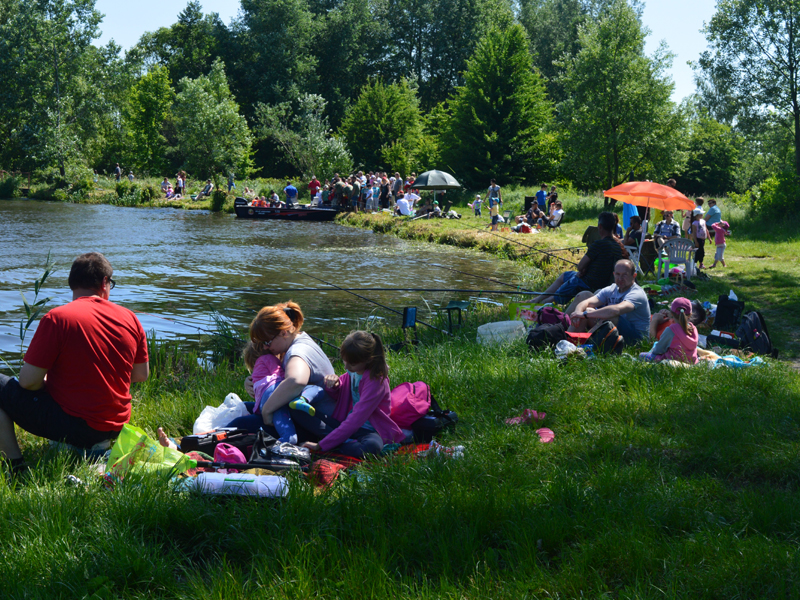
column 660, row 482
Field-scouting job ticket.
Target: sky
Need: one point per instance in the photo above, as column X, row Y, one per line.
column 677, row 22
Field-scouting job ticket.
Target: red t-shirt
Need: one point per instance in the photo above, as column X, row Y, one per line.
column 313, row 187
column 89, row 347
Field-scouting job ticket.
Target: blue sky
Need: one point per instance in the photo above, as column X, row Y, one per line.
column 678, row 22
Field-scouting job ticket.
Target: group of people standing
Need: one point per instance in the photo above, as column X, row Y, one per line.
column 362, row 191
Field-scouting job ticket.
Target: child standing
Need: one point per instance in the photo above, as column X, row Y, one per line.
column 267, row 373
column 495, row 200
column 699, row 232
column 477, row 205
column 356, row 422
column 679, row 340
column 721, row 230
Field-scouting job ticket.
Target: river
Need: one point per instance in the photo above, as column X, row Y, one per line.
column 175, row 267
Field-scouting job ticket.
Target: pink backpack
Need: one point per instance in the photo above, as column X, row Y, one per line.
column 409, row 403
column 225, row 453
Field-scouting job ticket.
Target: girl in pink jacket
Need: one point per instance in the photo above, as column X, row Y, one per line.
column 359, row 423
column 679, row 340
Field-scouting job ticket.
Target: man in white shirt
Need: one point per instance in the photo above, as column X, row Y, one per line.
column 403, row 207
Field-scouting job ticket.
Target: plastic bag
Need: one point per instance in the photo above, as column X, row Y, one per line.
column 134, row 449
column 213, row 417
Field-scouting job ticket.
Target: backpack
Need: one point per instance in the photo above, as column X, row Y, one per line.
column 546, row 336
column 414, row 407
column 606, row 338
column 728, row 313
column 547, row 315
column 753, row 335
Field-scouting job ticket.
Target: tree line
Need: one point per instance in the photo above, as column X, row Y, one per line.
column 524, row 92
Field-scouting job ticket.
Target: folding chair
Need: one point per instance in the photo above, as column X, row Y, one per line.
column 506, row 215
column 458, row 305
column 636, row 251
column 557, row 224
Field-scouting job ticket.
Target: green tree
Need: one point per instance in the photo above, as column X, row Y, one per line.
column 500, row 115
column 213, row 137
column 712, row 158
column 383, row 119
column 618, row 117
column 148, row 106
column 304, row 136
column 753, row 65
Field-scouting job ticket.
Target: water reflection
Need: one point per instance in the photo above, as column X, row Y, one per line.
column 173, row 267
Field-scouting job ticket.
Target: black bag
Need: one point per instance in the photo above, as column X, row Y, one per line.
column 546, row 336
column 206, row 442
column 427, row 427
column 728, row 314
column 269, row 453
column 753, row 335
column 606, row 338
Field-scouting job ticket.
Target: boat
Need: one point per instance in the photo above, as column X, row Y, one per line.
column 302, row 212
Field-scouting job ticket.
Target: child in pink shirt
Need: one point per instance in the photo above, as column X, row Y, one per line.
column 679, row 340
column 721, row 230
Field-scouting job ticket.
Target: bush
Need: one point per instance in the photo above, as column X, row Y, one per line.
column 218, row 200
column 10, row 187
column 149, row 192
column 778, row 193
column 125, row 188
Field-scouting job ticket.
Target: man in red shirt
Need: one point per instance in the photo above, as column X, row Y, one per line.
column 313, row 186
column 74, row 384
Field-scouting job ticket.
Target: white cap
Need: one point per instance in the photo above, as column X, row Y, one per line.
column 697, row 211
column 478, row 196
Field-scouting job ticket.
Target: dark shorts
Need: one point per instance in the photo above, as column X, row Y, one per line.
column 570, row 287
column 495, row 220
column 37, row 413
column 628, row 331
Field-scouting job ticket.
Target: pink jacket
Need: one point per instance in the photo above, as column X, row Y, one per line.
column 683, row 346
column 373, row 406
column 267, row 371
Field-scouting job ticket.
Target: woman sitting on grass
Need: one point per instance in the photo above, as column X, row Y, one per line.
column 356, row 422
column 679, row 340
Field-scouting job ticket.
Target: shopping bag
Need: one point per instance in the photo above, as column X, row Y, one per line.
column 135, row 450
column 213, row 417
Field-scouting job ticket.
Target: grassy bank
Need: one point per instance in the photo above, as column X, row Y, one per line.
column 660, row 482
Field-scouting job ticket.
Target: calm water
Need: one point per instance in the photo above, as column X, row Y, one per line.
column 173, row 267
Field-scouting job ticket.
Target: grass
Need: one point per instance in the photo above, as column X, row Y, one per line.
column 660, row 482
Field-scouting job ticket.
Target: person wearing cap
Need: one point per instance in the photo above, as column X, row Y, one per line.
column 437, row 212
column 477, row 205
column 679, row 340
column 713, row 215
column 623, row 303
column 291, row 194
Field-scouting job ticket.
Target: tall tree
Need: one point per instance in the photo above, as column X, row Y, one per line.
column 148, row 106
column 499, row 116
column 754, row 60
column 712, row 157
column 212, row 136
column 383, row 117
column 618, row 116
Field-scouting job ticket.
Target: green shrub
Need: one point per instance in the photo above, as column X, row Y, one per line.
column 778, row 192
column 84, row 185
column 10, row 187
column 149, row 192
column 46, row 192
column 125, row 188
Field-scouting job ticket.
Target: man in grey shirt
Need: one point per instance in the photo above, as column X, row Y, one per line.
column 623, row 303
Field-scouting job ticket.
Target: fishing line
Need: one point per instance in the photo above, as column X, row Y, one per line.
column 455, row 291
column 492, row 279
column 528, row 247
column 397, row 312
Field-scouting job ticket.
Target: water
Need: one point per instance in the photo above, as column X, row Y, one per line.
column 173, row 267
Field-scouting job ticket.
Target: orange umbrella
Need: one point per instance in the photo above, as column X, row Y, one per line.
column 647, row 193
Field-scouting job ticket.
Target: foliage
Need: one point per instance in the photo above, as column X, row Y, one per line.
column 213, row 137
column 10, row 186
column 148, row 106
column 218, row 198
column 305, row 137
column 131, row 193
column 499, row 115
column 778, row 194
column 712, row 158
column 618, row 117
column 34, row 309
column 384, row 115
column 753, row 66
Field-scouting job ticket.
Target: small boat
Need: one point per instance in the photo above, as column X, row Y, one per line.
column 300, row 212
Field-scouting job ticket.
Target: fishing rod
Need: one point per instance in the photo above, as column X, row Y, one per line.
column 455, row 291
column 492, row 279
column 397, row 312
column 528, row 247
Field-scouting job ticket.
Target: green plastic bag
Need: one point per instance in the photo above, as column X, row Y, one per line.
column 135, row 450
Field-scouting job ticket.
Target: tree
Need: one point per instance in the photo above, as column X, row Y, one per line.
column 383, row 118
column 149, row 104
column 619, row 117
column 754, row 59
column 305, row 137
column 712, row 158
column 499, row 116
column 212, row 136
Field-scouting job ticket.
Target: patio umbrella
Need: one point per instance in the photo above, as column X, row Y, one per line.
column 436, row 180
column 652, row 195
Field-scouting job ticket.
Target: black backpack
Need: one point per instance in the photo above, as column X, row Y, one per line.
column 546, row 336
column 427, row 427
column 606, row 338
column 728, row 314
column 753, row 335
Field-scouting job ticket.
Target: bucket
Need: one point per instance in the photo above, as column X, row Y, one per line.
column 500, row 332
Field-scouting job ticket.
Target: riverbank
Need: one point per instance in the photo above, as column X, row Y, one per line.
column 658, row 479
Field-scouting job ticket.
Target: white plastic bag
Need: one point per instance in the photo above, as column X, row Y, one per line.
column 219, row 416
column 500, row 332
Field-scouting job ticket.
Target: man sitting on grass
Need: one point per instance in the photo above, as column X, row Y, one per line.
column 206, row 190
column 74, row 384
column 595, row 269
column 623, row 303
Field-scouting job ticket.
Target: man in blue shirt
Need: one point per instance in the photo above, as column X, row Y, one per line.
column 714, row 215
column 291, row 193
column 541, row 198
